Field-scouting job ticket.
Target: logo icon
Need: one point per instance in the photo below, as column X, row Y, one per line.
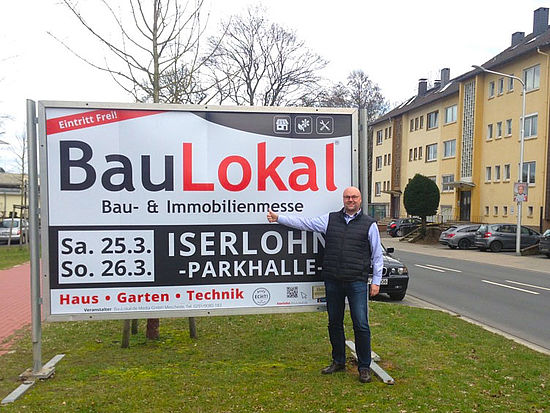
column 281, row 124
column 261, row 296
column 324, row 125
column 303, row 125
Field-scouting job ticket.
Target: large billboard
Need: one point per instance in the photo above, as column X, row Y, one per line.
column 161, row 210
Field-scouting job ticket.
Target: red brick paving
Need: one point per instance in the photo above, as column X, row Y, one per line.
column 15, row 302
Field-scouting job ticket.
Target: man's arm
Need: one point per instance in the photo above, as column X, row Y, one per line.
column 315, row 224
column 377, row 259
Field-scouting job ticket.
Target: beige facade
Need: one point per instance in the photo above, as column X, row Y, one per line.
column 464, row 133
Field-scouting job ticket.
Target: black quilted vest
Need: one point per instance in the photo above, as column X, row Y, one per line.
column 347, row 248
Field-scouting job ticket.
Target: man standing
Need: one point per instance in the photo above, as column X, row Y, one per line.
column 352, row 246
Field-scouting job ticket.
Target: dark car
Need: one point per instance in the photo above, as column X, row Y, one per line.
column 544, row 243
column 461, row 236
column 395, row 276
column 498, row 237
column 402, row 226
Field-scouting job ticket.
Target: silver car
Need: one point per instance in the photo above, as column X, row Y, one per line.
column 498, row 237
column 16, row 226
column 461, row 236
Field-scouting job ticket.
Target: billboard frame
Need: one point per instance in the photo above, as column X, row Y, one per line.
column 45, row 196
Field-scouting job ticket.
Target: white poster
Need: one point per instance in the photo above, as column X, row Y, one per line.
column 155, row 210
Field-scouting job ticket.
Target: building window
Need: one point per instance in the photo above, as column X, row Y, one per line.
column 530, row 211
column 415, row 154
column 501, row 86
column 445, row 183
column 497, row 172
column 420, row 152
column 449, row 148
column 510, row 83
column 389, row 158
column 499, row 129
column 487, row 174
column 506, row 172
column 415, row 123
column 490, row 131
column 410, row 154
column 495, row 210
column 530, row 126
column 491, row 89
column 377, row 188
column 384, row 185
column 508, row 127
column 531, row 77
column 433, row 119
column 385, row 159
column 421, row 121
column 528, row 174
column 486, row 210
column 379, row 137
column 389, row 133
column 378, row 163
column 450, row 114
column 412, row 125
column 431, row 152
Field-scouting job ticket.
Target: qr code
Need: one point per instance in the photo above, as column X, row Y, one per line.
column 291, row 292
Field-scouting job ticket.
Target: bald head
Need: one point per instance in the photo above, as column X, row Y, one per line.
column 352, row 200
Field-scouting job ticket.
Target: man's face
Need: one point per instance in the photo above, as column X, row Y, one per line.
column 520, row 189
column 352, row 200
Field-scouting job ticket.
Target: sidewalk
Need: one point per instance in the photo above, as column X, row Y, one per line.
column 15, row 302
column 539, row 263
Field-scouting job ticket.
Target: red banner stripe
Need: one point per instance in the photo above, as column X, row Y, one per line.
column 93, row 118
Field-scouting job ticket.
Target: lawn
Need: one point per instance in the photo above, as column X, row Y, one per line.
column 13, row 255
column 271, row 363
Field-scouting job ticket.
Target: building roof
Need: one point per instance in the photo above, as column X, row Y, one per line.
column 9, row 180
column 528, row 44
column 414, row 102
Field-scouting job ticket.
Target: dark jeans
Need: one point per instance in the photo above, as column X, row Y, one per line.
column 357, row 294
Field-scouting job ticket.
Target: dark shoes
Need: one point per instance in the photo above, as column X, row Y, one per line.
column 334, row 367
column 364, row 376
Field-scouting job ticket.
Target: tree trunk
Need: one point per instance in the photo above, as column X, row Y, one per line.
column 152, row 332
column 192, row 327
column 134, row 326
column 125, row 334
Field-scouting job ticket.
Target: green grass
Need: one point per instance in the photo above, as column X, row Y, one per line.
column 271, row 363
column 13, row 255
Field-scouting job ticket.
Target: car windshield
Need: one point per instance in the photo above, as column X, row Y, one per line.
column 8, row 224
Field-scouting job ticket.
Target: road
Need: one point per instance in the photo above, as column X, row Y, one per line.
column 516, row 301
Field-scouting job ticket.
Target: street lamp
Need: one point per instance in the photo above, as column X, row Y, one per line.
column 520, row 174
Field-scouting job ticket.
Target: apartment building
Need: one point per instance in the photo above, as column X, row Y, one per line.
column 464, row 133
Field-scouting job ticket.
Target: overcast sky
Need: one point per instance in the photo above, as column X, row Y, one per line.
column 394, row 42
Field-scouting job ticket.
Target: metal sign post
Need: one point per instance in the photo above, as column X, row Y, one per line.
column 38, row 371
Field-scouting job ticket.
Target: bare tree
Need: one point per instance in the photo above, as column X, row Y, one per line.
column 157, row 55
column 158, row 39
column 358, row 92
column 258, row 62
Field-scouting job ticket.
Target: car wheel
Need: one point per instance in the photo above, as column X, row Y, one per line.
column 464, row 244
column 399, row 232
column 397, row 296
column 496, row 246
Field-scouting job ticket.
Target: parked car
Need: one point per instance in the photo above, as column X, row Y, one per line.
column 395, row 276
column 459, row 236
column 499, row 237
column 402, row 226
column 544, row 243
column 17, row 227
